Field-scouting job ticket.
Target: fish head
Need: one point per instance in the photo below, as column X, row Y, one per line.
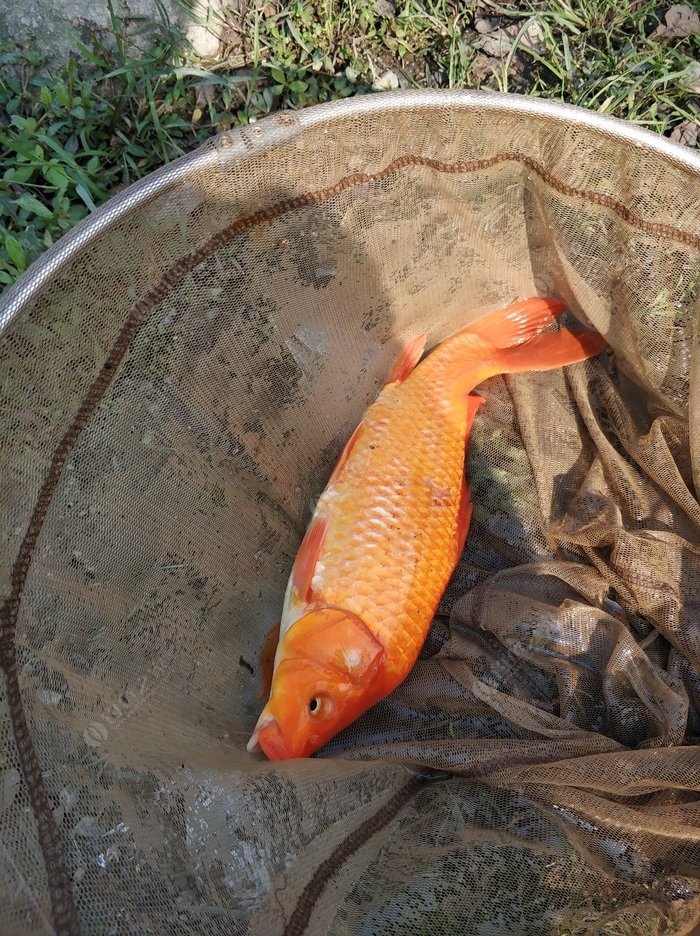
column 328, row 672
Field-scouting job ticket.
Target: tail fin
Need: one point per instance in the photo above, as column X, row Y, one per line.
column 509, row 341
column 517, row 323
column 551, row 350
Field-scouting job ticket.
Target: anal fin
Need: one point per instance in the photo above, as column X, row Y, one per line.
column 464, row 517
column 474, row 401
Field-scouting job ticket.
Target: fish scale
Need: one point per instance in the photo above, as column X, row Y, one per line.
column 386, row 538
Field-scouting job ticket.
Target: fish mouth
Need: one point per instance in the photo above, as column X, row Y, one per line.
column 271, row 741
column 253, row 746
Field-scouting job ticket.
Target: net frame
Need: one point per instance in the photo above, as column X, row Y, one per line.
column 241, row 145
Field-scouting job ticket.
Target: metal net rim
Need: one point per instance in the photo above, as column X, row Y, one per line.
column 243, row 143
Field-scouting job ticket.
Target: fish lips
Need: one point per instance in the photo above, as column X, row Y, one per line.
column 272, row 743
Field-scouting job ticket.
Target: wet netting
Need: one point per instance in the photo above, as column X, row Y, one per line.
column 177, row 379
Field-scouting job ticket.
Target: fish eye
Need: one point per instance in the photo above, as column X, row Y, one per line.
column 315, row 705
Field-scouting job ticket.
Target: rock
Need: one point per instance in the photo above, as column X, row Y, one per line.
column 483, row 25
column 87, row 827
column 68, row 797
column 384, row 8
column 49, row 697
column 10, row 782
column 205, row 32
column 52, row 25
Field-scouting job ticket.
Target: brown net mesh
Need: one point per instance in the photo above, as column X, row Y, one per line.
column 177, row 379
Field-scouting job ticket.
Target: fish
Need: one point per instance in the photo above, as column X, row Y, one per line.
column 389, row 528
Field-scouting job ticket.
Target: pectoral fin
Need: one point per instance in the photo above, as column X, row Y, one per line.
column 267, row 661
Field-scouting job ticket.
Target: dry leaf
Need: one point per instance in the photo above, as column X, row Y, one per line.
column 483, row 68
column 499, row 42
column 204, row 94
column 496, row 43
column 680, row 21
column 686, row 133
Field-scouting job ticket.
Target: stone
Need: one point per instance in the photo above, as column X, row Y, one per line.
column 388, row 81
column 384, row 8
column 53, row 25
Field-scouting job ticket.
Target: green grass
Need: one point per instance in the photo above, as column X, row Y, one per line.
column 112, row 114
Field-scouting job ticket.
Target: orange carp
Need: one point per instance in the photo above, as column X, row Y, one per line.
column 390, row 526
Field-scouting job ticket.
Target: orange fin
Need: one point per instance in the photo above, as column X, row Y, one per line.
column 267, row 661
column 517, row 323
column 407, row 360
column 551, row 350
column 344, row 455
column 305, row 562
column 473, row 403
column 464, row 516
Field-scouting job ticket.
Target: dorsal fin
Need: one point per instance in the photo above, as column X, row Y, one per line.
column 344, row 455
